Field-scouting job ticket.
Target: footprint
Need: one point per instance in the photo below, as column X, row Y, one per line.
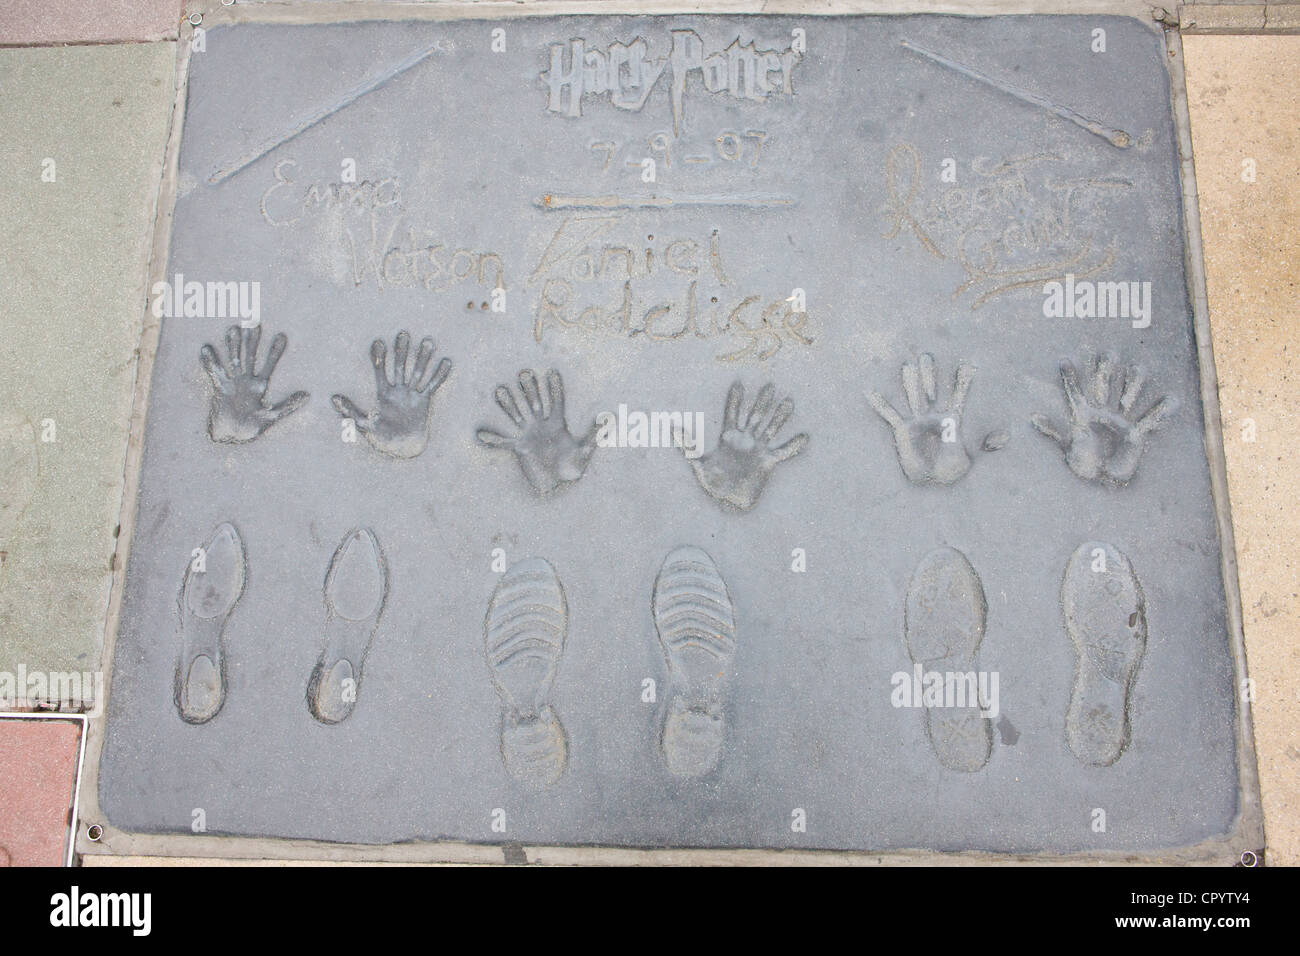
column 943, row 625
column 213, row 585
column 356, row 587
column 523, row 638
column 696, row 622
column 1105, row 616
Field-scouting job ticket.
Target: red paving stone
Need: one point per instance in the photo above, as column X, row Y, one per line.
column 88, row 21
column 38, row 772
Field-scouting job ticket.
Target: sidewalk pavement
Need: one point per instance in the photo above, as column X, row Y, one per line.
column 86, row 132
column 1246, row 139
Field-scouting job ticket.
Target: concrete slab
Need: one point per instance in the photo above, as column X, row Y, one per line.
column 38, row 773
column 1246, row 128
column 440, row 618
column 97, row 21
column 1222, row 18
column 1282, row 17
column 85, row 130
column 205, row 862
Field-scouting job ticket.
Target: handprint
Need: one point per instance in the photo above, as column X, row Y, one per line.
column 238, row 411
column 547, row 454
column 929, row 445
column 399, row 425
column 737, row 470
column 1104, row 439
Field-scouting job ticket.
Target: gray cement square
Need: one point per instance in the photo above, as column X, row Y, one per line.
column 383, row 586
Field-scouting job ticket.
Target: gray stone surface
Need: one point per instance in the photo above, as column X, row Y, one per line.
column 484, row 695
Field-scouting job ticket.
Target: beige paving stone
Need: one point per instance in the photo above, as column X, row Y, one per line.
column 1282, row 16
column 87, row 21
column 134, row 861
column 82, row 152
column 1222, row 18
column 1246, row 116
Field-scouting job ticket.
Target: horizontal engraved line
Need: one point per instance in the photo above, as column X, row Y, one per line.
column 550, row 201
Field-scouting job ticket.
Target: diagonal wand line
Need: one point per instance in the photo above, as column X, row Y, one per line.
column 222, row 175
column 655, row 202
column 1116, row 137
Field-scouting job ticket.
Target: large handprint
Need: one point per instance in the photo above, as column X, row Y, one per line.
column 736, row 472
column 399, row 425
column 929, row 445
column 1104, row 438
column 238, row 411
column 547, row 454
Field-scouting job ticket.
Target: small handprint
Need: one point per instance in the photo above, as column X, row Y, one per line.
column 399, row 425
column 929, row 445
column 736, row 472
column 1104, row 439
column 238, row 411
column 548, row 455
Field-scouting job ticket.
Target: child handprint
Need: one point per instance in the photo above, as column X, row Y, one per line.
column 736, row 472
column 929, row 444
column 399, row 425
column 238, row 411
column 548, row 454
column 1105, row 437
